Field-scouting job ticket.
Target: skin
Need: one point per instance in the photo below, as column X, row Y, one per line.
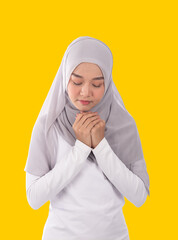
column 88, row 90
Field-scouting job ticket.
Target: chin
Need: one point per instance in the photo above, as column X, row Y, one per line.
column 84, row 108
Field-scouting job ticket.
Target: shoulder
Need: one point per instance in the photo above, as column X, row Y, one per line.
column 40, row 124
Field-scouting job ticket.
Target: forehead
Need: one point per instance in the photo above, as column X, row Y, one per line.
column 88, row 68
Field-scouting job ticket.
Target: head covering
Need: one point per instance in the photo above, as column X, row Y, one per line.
column 120, row 127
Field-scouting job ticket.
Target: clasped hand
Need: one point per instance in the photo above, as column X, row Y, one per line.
column 89, row 128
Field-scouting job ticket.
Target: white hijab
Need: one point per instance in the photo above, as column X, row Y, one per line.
column 120, row 127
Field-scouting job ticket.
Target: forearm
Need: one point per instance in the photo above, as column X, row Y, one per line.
column 128, row 183
column 41, row 189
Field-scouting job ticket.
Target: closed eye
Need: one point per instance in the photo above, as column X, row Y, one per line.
column 92, row 84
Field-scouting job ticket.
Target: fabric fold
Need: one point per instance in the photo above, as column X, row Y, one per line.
column 120, row 128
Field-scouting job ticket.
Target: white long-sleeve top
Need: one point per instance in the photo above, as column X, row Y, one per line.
column 86, row 197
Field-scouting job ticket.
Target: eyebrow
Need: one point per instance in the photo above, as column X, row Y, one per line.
column 96, row 78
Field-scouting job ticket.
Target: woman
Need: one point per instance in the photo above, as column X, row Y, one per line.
column 85, row 153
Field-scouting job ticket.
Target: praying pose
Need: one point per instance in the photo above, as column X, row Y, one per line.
column 85, row 153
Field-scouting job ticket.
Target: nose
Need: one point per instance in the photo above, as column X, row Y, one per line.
column 85, row 90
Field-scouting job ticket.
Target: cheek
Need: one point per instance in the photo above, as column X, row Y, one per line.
column 100, row 93
column 72, row 91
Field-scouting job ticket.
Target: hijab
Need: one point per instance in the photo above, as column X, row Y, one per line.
column 120, row 128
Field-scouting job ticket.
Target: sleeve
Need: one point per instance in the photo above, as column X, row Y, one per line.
column 41, row 189
column 128, row 183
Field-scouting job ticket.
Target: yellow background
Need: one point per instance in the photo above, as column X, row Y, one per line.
column 142, row 37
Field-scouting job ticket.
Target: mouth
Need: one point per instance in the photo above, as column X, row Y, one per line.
column 84, row 102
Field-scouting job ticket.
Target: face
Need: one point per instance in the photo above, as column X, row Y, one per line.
column 86, row 83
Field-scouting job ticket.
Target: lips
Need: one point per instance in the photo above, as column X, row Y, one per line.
column 84, row 102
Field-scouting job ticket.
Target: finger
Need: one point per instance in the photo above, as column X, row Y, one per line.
column 78, row 122
column 85, row 121
column 77, row 119
column 93, row 124
column 88, row 116
column 81, row 118
column 90, row 119
column 85, row 113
